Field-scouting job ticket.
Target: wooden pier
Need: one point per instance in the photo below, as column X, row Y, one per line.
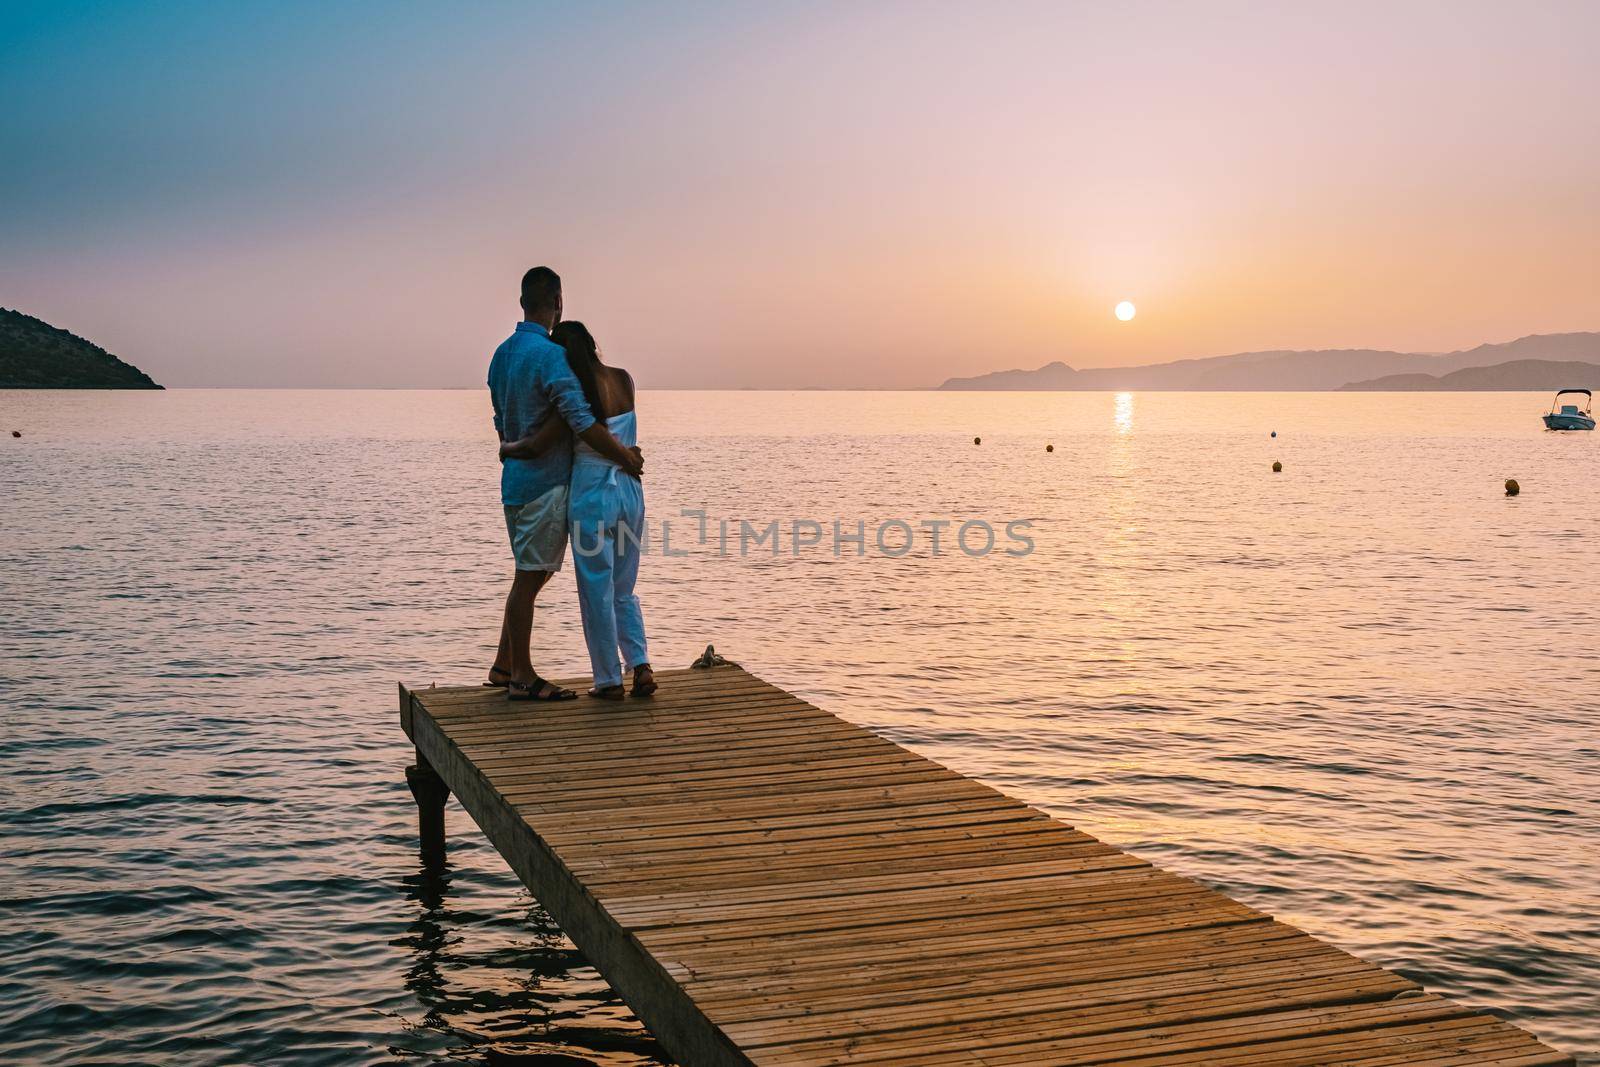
column 765, row 883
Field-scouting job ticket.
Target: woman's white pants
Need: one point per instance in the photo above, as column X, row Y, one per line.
column 607, row 526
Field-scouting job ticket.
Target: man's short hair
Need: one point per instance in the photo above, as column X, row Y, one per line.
column 541, row 290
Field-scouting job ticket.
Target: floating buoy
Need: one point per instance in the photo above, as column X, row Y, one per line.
column 1277, row 468
column 16, row 433
column 1512, row 488
column 977, row 440
column 1049, row 448
column 1274, row 433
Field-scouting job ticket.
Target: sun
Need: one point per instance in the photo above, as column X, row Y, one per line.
column 1126, row 310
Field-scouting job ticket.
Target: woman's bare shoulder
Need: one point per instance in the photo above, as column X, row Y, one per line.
column 623, row 381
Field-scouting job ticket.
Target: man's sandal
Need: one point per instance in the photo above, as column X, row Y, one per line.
column 644, row 680
column 539, row 689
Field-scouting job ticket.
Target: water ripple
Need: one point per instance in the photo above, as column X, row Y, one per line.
column 1360, row 694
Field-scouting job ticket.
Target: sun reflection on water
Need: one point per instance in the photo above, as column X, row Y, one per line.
column 1122, row 419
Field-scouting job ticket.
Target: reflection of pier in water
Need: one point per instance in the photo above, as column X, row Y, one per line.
column 500, row 998
column 765, row 883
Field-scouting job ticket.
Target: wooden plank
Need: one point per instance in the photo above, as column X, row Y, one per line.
column 838, row 826
column 974, row 966
column 777, row 786
column 761, row 879
column 944, row 943
column 1030, row 887
column 1247, row 1000
column 613, row 779
column 661, row 745
column 1013, row 926
column 721, row 714
column 1031, row 831
column 765, row 883
column 747, row 813
column 1013, row 971
column 1414, row 1030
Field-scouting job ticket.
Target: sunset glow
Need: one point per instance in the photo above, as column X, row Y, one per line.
column 953, row 198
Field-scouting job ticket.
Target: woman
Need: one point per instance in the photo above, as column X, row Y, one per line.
column 605, row 516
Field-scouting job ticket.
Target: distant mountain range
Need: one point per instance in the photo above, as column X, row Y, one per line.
column 1522, row 364
column 37, row 355
column 1545, row 375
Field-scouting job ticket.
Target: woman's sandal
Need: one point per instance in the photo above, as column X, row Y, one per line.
column 644, row 680
column 610, row 692
column 539, row 689
column 492, row 684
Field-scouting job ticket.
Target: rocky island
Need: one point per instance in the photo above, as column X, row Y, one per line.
column 37, row 355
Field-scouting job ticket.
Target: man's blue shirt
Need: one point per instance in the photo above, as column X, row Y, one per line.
column 528, row 379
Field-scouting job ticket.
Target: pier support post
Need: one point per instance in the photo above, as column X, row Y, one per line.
column 430, row 792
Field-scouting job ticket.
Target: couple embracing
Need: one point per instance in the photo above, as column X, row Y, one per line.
column 569, row 462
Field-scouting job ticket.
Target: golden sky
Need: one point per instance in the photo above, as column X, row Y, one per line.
column 847, row 195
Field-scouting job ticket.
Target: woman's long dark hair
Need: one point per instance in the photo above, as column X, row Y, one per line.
column 583, row 357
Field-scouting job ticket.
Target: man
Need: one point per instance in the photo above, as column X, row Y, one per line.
column 529, row 380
